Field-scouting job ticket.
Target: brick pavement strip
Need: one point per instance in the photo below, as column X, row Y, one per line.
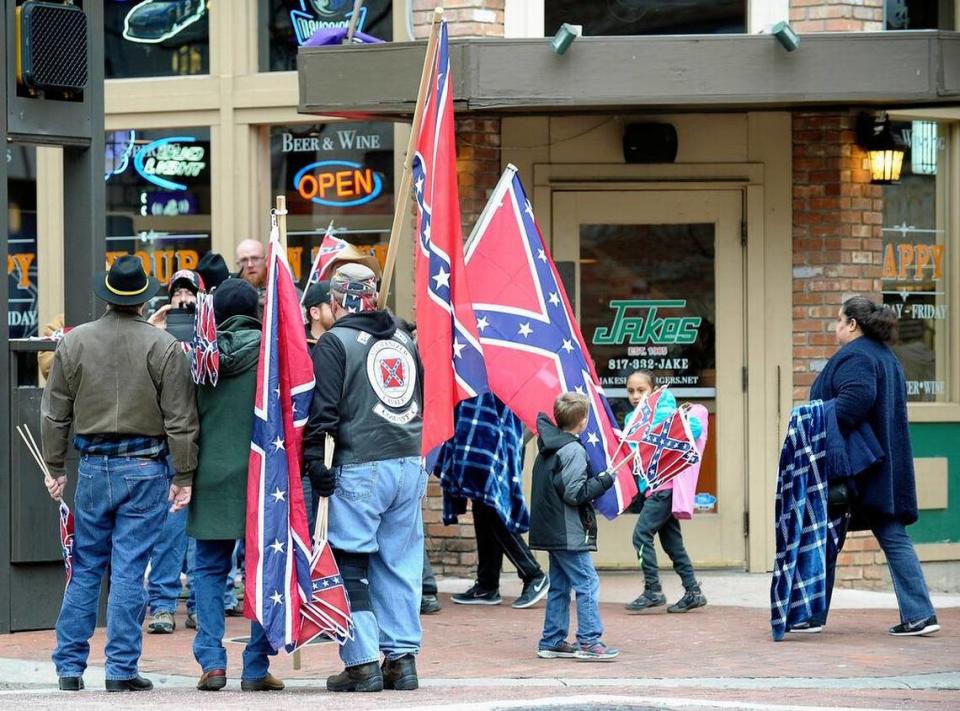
column 474, row 654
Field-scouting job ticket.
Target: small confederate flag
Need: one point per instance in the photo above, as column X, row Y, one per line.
column 328, row 609
column 667, row 450
column 643, row 416
column 278, row 537
column 206, row 350
column 330, row 248
column 66, row 539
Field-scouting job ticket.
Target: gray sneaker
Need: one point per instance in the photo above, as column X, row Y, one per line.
column 162, row 623
column 596, row 652
column 691, row 600
column 533, row 592
column 564, row 650
column 649, row 599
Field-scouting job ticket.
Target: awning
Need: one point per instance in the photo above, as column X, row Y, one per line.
column 638, row 73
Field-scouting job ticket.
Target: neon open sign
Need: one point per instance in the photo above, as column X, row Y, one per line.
column 171, row 157
column 338, row 183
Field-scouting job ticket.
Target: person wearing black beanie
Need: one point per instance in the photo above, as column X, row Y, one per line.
column 234, row 297
column 213, row 269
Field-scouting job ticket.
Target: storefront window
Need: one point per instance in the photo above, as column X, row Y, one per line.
column 287, row 24
column 648, row 302
column 647, row 17
column 340, row 172
column 916, row 258
column 22, row 251
column 156, row 38
column 158, row 197
column 919, row 14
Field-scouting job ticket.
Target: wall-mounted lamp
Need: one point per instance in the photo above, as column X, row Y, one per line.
column 875, row 136
column 785, row 36
column 565, row 36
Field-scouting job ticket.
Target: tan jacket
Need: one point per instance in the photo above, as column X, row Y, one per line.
column 120, row 375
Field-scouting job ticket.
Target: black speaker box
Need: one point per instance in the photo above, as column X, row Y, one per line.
column 649, row 143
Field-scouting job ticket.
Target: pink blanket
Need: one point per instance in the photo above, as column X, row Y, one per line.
column 685, row 483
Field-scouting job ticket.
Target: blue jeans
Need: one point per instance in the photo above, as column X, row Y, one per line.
column 913, row 598
column 572, row 570
column 120, row 506
column 166, row 564
column 229, row 593
column 213, row 563
column 376, row 510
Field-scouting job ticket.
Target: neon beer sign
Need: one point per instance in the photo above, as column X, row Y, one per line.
column 171, row 157
column 338, row 183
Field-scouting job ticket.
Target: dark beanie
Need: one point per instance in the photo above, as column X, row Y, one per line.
column 317, row 294
column 234, row 297
column 213, row 269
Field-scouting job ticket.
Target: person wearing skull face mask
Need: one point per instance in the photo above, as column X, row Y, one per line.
column 369, row 397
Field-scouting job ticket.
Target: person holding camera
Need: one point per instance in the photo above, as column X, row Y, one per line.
column 167, row 558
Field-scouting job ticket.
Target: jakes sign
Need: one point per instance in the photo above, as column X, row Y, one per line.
column 639, row 322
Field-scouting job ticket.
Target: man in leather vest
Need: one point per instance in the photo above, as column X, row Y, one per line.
column 369, row 398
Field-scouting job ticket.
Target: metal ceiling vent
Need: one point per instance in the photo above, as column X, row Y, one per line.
column 51, row 46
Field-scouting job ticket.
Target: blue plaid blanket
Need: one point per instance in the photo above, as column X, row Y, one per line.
column 806, row 537
column 483, row 461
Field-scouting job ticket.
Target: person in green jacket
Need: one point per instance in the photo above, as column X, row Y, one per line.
column 217, row 516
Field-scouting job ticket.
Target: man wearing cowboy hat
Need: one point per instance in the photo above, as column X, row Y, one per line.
column 125, row 389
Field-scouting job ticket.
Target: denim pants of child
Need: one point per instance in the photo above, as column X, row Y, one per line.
column 572, row 570
column 214, row 559
column 376, row 510
column 119, row 510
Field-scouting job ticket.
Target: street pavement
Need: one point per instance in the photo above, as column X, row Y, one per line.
column 483, row 658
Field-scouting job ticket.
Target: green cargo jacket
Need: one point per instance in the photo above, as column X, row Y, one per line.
column 119, row 375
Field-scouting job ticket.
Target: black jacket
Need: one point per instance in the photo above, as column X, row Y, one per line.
column 340, row 410
column 867, row 382
column 562, row 517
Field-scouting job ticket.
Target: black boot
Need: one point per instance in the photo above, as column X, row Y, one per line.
column 137, row 683
column 401, row 674
column 71, row 683
column 362, row 677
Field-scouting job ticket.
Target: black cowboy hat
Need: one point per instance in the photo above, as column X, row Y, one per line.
column 126, row 284
column 213, row 269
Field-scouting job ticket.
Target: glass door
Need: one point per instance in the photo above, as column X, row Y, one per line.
column 659, row 287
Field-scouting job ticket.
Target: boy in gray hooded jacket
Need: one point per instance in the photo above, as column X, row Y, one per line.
column 563, row 523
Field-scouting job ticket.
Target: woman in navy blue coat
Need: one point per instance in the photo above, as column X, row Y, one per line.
column 865, row 379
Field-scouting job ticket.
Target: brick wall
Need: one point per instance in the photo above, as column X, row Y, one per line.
column 862, row 564
column 836, row 15
column 837, row 245
column 837, row 252
column 465, row 18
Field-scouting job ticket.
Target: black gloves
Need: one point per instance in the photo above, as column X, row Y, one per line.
column 322, row 480
column 607, row 478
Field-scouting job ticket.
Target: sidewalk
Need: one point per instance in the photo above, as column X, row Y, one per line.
column 485, row 657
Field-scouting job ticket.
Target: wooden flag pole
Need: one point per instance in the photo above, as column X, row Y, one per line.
column 403, row 190
column 279, row 214
column 354, row 19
